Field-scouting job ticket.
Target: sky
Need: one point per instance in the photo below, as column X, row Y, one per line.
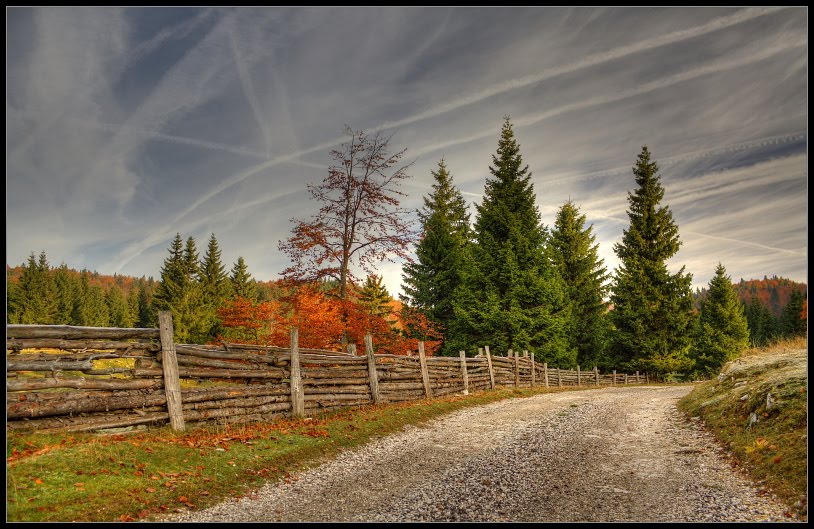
column 125, row 126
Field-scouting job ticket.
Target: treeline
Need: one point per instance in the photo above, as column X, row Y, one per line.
column 503, row 279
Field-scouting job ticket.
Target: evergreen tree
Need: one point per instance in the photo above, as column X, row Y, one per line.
column 723, row 333
column 792, row 323
column 577, row 259
column 192, row 268
column 763, row 327
column 215, row 286
column 430, row 281
column 67, row 287
column 511, row 296
column 179, row 292
column 173, row 277
column 92, row 310
column 145, row 314
column 374, row 296
column 119, row 310
column 242, row 283
column 34, row 300
column 652, row 309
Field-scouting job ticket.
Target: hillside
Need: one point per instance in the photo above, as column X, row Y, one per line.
column 758, row 406
column 773, row 293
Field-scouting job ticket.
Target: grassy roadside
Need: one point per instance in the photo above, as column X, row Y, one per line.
column 758, row 407
column 96, row 478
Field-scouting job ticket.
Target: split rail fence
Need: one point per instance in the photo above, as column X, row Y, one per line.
column 64, row 378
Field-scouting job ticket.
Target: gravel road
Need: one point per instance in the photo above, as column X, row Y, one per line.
column 600, row 455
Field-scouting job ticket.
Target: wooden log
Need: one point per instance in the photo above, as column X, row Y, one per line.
column 371, row 368
column 80, row 424
column 545, row 373
column 198, row 351
column 491, row 370
column 55, row 365
column 464, row 373
column 613, row 383
column 637, row 377
column 578, row 377
column 533, row 369
column 69, row 345
column 172, row 384
column 297, row 392
column 596, row 374
column 80, row 383
column 360, row 389
column 53, row 407
column 69, row 332
column 516, row 368
column 625, row 378
column 184, row 360
column 559, row 377
column 425, row 376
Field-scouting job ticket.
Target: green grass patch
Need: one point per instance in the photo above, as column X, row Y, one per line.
column 758, row 408
column 137, row 476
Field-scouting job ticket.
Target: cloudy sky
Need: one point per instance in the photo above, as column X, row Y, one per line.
column 127, row 125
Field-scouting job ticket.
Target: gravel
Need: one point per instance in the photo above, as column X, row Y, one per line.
column 600, row 455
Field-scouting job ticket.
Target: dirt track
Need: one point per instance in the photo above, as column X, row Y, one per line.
column 614, row 454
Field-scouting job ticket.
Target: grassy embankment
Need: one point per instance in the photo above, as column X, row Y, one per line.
column 758, row 407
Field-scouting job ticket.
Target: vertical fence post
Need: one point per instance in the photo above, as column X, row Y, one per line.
column 491, row 371
column 169, row 362
column 637, row 377
column 614, row 378
column 297, row 393
column 425, row 374
column 559, row 377
column 596, row 374
column 371, row 370
column 646, row 378
column 626, row 379
column 516, row 367
column 545, row 373
column 464, row 374
column 578, row 380
column 533, row 368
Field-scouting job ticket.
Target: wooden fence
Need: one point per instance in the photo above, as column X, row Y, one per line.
column 64, row 378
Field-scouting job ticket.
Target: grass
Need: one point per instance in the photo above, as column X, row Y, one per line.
column 97, row 478
column 758, row 407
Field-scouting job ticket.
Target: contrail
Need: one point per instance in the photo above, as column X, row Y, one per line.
column 592, row 60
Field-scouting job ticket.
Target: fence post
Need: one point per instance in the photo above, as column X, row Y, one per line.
column 545, row 373
column 646, row 378
column 464, row 374
column 371, row 370
column 169, row 363
column 297, row 393
column 637, row 377
column 626, row 379
column 614, row 378
column 596, row 373
column 533, row 368
column 516, row 367
column 559, row 377
column 425, row 374
column 579, row 382
column 489, row 363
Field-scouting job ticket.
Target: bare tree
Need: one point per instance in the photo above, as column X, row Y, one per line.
column 360, row 222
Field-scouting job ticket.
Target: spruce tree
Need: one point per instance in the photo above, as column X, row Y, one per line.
column 66, row 285
column 575, row 253
column 652, row 308
column 763, row 327
column 374, row 296
column 242, row 283
column 92, row 310
column 179, row 293
column 722, row 332
column 431, row 280
column 214, row 288
column 512, row 296
column 33, row 301
column 119, row 311
column 792, row 323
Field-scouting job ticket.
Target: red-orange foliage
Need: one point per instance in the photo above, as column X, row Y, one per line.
column 247, row 321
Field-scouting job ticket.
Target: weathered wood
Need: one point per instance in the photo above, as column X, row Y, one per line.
column 297, row 392
column 80, row 383
column 69, row 345
column 70, row 332
column 545, row 373
column 613, row 382
column 559, row 377
column 91, row 423
column 198, row 351
column 30, row 409
column 371, row 369
column 625, row 378
column 491, row 370
column 169, row 363
column 596, row 374
column 533, row 369
column 579, row 381
column 54, row 365
column 464, row 372
column 516, row 367
column 637, row 377
column 425, row 376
